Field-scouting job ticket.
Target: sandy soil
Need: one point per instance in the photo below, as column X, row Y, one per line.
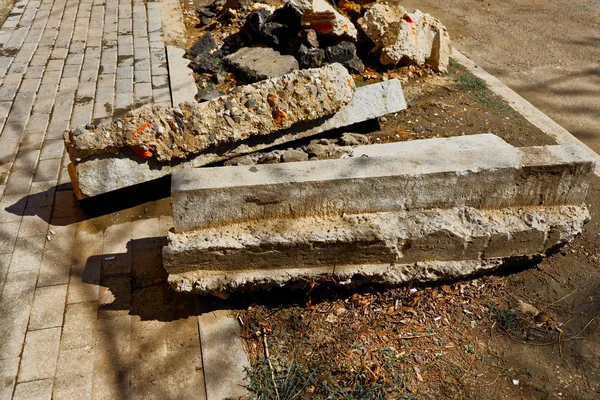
column 547, row 51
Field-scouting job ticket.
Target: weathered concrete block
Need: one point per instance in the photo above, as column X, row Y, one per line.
column 401, row 35
column 103, row 173
column 446, row 244
column 441, row 176
column 258, row 63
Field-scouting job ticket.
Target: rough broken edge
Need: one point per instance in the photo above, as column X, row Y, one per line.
column 531, row 113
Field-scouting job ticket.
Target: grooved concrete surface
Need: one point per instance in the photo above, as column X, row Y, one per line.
column 81, row 313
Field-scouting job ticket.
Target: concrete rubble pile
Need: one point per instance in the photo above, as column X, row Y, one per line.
column 421, row 210
column 310, row 34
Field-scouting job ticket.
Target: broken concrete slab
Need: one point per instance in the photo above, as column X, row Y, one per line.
column 254, row 64
column 258, row 109
column 482, row 142
column 390, row 247
column 401, row 36
column 440, row 177
column 107, row 172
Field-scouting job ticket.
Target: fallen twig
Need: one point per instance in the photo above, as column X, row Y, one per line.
column 266, row 349
column 580, row 332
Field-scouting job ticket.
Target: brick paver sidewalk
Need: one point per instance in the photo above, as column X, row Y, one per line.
column 84, row 310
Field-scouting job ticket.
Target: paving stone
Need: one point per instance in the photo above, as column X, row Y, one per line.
column 106, row 80
column 11, row 209
column 57, row 128
column 55, row 65
column 48, row 307
column 30, row 85
column 11, row 230
column 41, row 194
column 26, row 160
column 83, row 283
column 88, row 75
column 15, row 306
column 34, row 390
column 85, row 91
column 69, row 83
column 47, row 170
column 59, row 53
column 79, row 330
column 27, row 255
column 142, row 76
column 55, row 268
column 18, row 183
column 74, row 374
column 223, row 355
column 35, row 72
column 34, row 222
column 40, row 354
column 71, row 71
column 8, row 153
column 8, row 376
column 143, row 90
column 53, row 149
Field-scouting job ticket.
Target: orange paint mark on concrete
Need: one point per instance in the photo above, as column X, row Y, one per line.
column 280, row 116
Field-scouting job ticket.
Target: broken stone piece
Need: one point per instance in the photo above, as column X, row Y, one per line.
column 254, row 23
column 258, row 63
column 294, row 156
column 194, row 127
column 310, row 57
column 345, row 53
column 323, row 18
column 205, row 55
column 400, row 35
column 353, row 139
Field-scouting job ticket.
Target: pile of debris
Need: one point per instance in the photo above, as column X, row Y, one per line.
column 312, row 33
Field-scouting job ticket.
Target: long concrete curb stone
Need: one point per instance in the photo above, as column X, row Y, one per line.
column 439, row 176
column 455, row 207
column 105, row 173
column 525, row 108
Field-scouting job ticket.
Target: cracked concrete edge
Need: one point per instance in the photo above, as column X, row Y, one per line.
column 224, row 358
column 531, row 113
